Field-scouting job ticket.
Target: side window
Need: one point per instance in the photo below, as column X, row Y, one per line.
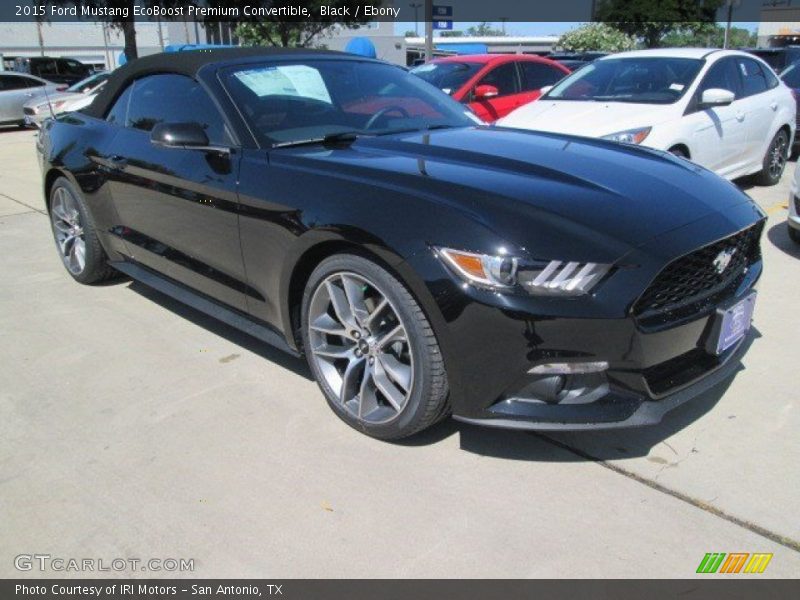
column 504, row 78
column 44, row 68
column 174, row 99
column 68, row 66
column 753, row 79
column 119, row 111
column 33, row 83
column 9, row 82
column 722, row 75
column 535, row 75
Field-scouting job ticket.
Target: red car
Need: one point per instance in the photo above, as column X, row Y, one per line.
column 492, row 84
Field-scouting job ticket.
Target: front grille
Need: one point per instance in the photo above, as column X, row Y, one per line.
column 28, row 110
column 692, row 282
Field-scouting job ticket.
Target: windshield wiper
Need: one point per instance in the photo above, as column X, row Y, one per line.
column 418, row 129
column 331, row 138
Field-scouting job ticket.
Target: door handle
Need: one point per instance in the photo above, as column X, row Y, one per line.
column 117, row 162
column 774, row 105
column 740, row 116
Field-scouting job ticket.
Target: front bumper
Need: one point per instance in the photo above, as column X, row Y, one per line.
column 492, row 342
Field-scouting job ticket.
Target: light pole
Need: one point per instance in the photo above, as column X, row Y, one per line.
column 428, row 30
column 416, row 6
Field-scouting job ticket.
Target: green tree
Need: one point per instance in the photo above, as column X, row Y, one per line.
column 713, row 37
column 596, row 36
column 652, row 20
column 484, row 29
column 277, row 31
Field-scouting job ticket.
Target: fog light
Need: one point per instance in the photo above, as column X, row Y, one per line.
column 569, row 368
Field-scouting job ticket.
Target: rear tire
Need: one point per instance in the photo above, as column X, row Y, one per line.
column 774, row 160
column 75, row 235
column 371, row 349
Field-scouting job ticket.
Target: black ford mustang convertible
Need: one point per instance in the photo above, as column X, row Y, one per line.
column 425, row 264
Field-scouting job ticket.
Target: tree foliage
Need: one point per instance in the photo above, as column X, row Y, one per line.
column 596, row 36
column 484, row 29
column 277, row 31
column 712, row 37
column 652, row 20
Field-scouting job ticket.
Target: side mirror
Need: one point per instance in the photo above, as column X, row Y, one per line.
column 716, row 97
column 484, row 92
column 190, row 136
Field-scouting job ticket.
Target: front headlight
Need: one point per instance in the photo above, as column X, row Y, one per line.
column 630, row 136
column 506, row 273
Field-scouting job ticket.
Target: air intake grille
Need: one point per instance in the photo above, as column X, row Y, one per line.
column 698, row 278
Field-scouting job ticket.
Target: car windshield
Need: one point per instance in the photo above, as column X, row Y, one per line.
column 91, row 82
column 651, row 80
column 447, row 76
column 289, row 102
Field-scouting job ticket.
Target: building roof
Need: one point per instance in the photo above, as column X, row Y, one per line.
column 189, row 63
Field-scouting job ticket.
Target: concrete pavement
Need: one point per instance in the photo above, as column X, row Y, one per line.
column 133, row 427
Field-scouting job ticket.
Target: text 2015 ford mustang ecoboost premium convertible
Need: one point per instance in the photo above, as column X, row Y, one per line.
column 426, row 265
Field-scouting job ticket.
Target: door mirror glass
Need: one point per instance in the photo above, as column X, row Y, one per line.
column 484, row 92
column 179, row 135
column 716, row 97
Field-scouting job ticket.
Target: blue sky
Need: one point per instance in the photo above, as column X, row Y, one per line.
column 517, row 28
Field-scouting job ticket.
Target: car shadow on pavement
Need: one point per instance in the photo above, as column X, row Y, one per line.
column 778, row 235
column 233, row 335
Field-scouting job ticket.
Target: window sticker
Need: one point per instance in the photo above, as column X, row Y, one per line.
column 289, row 80
column 678, row 87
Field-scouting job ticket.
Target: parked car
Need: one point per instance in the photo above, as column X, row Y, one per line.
column 492, row 84
column 75, row 97
column 793, row 222
column 723, row 109
column 15, row 90
column 575, row 60
column 57, row 70
column 422, row 263
column 791, row 77
column 778, row 57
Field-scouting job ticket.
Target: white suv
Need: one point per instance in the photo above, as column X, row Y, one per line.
column 723, row 109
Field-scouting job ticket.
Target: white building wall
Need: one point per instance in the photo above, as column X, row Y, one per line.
column 83, row 41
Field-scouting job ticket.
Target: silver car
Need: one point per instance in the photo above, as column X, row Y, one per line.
column 74, row 97
column 18, row 88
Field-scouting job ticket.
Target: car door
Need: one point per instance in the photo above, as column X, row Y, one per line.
column 15, row 91
column 177, row 207
column 718, row 133
column 536, row 75
column 505, row 78
column 759, row 105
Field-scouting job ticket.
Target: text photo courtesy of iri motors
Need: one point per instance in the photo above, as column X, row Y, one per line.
column 302, row 296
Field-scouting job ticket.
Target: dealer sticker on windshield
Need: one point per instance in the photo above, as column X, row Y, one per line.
column 736, row 322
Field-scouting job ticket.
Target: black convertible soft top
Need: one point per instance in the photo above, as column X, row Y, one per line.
column 189, row 63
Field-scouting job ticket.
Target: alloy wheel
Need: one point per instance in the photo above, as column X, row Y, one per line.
column 777, row 157
column 360, row 346
column 68, row 229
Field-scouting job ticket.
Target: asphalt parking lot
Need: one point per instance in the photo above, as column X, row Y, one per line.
column 133, row 427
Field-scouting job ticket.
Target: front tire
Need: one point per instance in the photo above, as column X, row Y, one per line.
column 75, row 234
column 774, row 160
column 371, row 349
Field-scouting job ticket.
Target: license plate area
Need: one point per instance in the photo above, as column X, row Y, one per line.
column 731, row 324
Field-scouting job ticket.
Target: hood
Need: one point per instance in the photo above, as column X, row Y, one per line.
column 593, row 119
column 535, row 190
